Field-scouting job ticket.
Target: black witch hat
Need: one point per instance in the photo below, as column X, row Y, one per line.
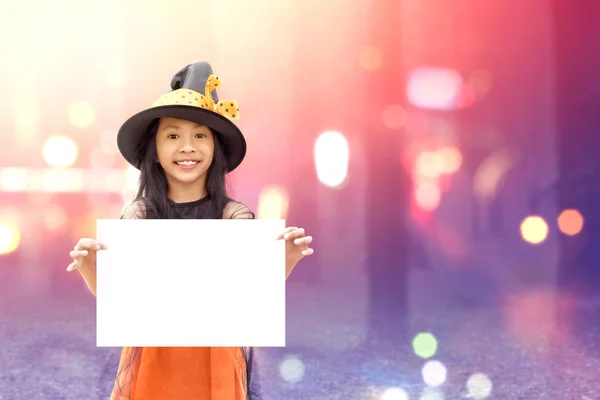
column 193, row 98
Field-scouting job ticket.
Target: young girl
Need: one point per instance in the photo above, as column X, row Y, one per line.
column 184, row 145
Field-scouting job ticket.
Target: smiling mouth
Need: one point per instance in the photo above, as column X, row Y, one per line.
column 187, row 164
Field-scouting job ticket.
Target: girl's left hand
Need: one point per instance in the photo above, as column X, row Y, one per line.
column 296, row 244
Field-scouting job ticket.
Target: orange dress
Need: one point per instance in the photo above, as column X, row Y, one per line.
column 184, row 373
column 181, row 373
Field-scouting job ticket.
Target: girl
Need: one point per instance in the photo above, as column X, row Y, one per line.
column 184, row 145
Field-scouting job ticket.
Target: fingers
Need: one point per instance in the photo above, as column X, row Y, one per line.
column 82, row 249
column 294, row 233
column 285, row 232
column 297, row 234
column 308, row 252
column 305, row 241
column 78, row 253
column 74, row 265
column 90, row 244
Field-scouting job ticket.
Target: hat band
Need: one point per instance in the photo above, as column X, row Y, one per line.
column 188, row 97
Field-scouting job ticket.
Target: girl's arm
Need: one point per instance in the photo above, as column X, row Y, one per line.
column 88, row 273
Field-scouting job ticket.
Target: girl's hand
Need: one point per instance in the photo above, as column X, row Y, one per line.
column 296, row 244
column 84, row 253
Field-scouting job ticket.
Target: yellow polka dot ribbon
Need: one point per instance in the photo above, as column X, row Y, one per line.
column 187, row 97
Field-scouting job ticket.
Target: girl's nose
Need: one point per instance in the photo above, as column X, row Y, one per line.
column 187, row 149
column 187, row 146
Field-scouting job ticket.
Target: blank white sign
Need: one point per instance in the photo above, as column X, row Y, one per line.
column 190, row 283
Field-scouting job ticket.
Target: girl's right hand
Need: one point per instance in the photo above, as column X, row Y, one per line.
column 84, row 253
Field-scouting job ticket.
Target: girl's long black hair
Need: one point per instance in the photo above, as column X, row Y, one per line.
column 153, row 196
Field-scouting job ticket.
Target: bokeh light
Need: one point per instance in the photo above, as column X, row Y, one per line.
column 451, row 159
column 434, row 88
column 434, row 373
column 425, row 345
column 291, row 369
column 14, row 179
column 429, row 164
column 570, row 222
column 479, row 386
column 394, row 394
column 534, row 229
column 10, row 237
column 273, row 202
column 60, row 151
column 332, row 154
column 427, row 194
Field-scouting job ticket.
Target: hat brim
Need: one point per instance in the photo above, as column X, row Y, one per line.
column 133, row 131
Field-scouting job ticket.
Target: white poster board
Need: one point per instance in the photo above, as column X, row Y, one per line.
column 190, row 283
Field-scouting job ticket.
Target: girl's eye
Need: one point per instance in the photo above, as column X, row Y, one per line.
column 172, row 136
column 201, row 135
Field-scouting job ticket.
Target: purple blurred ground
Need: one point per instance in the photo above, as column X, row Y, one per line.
column 48, row 352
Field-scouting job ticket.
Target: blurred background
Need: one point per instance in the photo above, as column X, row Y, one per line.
column 443, row 154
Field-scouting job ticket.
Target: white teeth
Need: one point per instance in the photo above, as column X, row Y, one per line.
column 187, row 163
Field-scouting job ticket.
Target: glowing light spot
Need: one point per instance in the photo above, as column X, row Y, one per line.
column 332, row 156
column 273, row 203
column 434, row 373
column 14, row 179
column 429, row 164
column 570, row 222
column 434, row 88
column 534, row 229
column 370, row 58
column 479, row 386
column 425, row 345
column 394, row 394
column 451, row 159
column 81, row 114
column 428, row 195
column 291, row 369
column 60, row 151
column 394, row 116
column 10, row 237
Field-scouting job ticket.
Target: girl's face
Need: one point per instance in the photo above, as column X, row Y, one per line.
column 185, row 151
